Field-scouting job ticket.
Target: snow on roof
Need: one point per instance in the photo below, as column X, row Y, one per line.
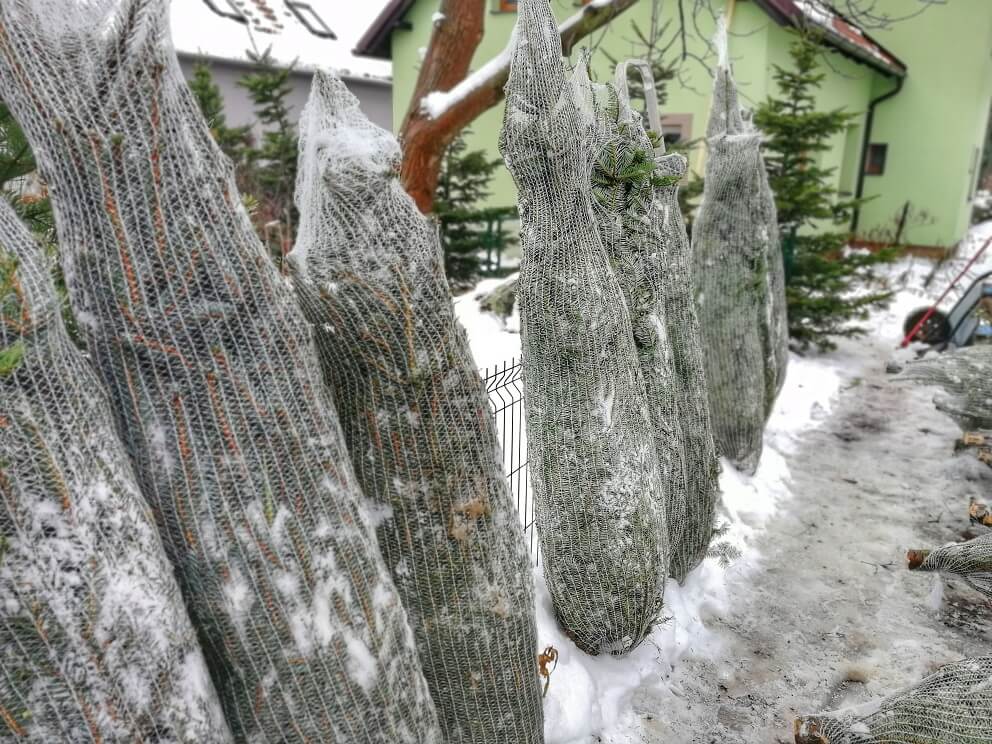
column 838, row 31
column 311, row 33
column 846, row 32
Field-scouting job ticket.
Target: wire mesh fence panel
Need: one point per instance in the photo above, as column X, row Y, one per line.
column 504, row 385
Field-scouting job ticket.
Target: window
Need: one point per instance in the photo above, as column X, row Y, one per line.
column 506, row 6
column 309, row 18
column 875, row 162
column 226, row 9
column 676, row 128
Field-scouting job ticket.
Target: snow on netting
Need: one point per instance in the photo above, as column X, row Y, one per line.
column 965, row 377
column 635, row 189
column 95, row 642
column 739, row 281
column 214, row 379
column 594, row 469
column 416, row 420
column 971, row 561
column 950, row 706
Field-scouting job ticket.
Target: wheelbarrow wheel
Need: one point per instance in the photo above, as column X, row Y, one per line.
column 935, row 331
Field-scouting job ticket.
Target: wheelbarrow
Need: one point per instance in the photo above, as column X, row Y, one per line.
column 963, row 323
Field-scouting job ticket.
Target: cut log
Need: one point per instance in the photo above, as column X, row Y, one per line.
column 979, row 513
column 972, row 439
column 915, row 558
column 807, row 731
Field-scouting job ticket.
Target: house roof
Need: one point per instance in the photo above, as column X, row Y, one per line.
column 838, row 32
column 375, row 40
column 306, row 33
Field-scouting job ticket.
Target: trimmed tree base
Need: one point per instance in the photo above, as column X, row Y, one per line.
column 979, row 513
column 807, row 731
column 915, row 558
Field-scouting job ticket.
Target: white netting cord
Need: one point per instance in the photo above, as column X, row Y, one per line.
column 702, row 467
column 594, row 468
column 950, row 706
column 416, row 420
column 732, row 244
column 214, row 380
column 95, row 642
column 775, row 329
column 965, row 379
column 668, row 257
column 970, row 561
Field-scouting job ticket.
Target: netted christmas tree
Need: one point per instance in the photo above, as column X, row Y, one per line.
column 950, row 706
column 593, row 464
column 635, row 190
column 213, row 378
column 95, row 643
column 737, row 275
column 625, row 177
column 970, row 560
column 416, row 420
column 965, row 380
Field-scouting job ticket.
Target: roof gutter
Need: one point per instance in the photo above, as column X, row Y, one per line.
column 295, row 69
column 866, row 140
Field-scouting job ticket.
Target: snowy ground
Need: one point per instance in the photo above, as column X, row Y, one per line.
column 819, row 611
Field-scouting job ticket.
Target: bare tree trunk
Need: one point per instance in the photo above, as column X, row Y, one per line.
column 426, row 134
column 456, row 35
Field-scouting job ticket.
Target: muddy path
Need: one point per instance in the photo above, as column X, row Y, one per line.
column 830, row 616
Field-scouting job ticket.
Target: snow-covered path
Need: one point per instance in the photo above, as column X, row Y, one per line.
column 819, row 611
column 827, row 615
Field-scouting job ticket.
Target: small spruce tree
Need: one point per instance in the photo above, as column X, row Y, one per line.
column 826, row 285
column 233, row 141
column 468, row 230
column 271, row 166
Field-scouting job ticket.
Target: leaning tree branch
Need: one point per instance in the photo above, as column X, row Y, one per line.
column 446, row 99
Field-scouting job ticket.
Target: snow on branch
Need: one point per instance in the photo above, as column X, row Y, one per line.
column 580, row 24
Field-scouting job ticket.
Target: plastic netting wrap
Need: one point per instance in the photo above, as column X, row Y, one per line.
column 635, row 190
column 214, row 380
column 965, row 377
column 950, row 706
column 416, row 420
column 624, row 179
column 775, row 328
column 702, row 467
column 737, row 269
column 95, row 643
column 970, row 560
column 593, row 465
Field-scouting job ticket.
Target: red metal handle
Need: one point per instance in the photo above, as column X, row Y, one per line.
column 916, row 329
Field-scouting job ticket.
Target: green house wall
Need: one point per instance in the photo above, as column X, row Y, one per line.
column 934, row 127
